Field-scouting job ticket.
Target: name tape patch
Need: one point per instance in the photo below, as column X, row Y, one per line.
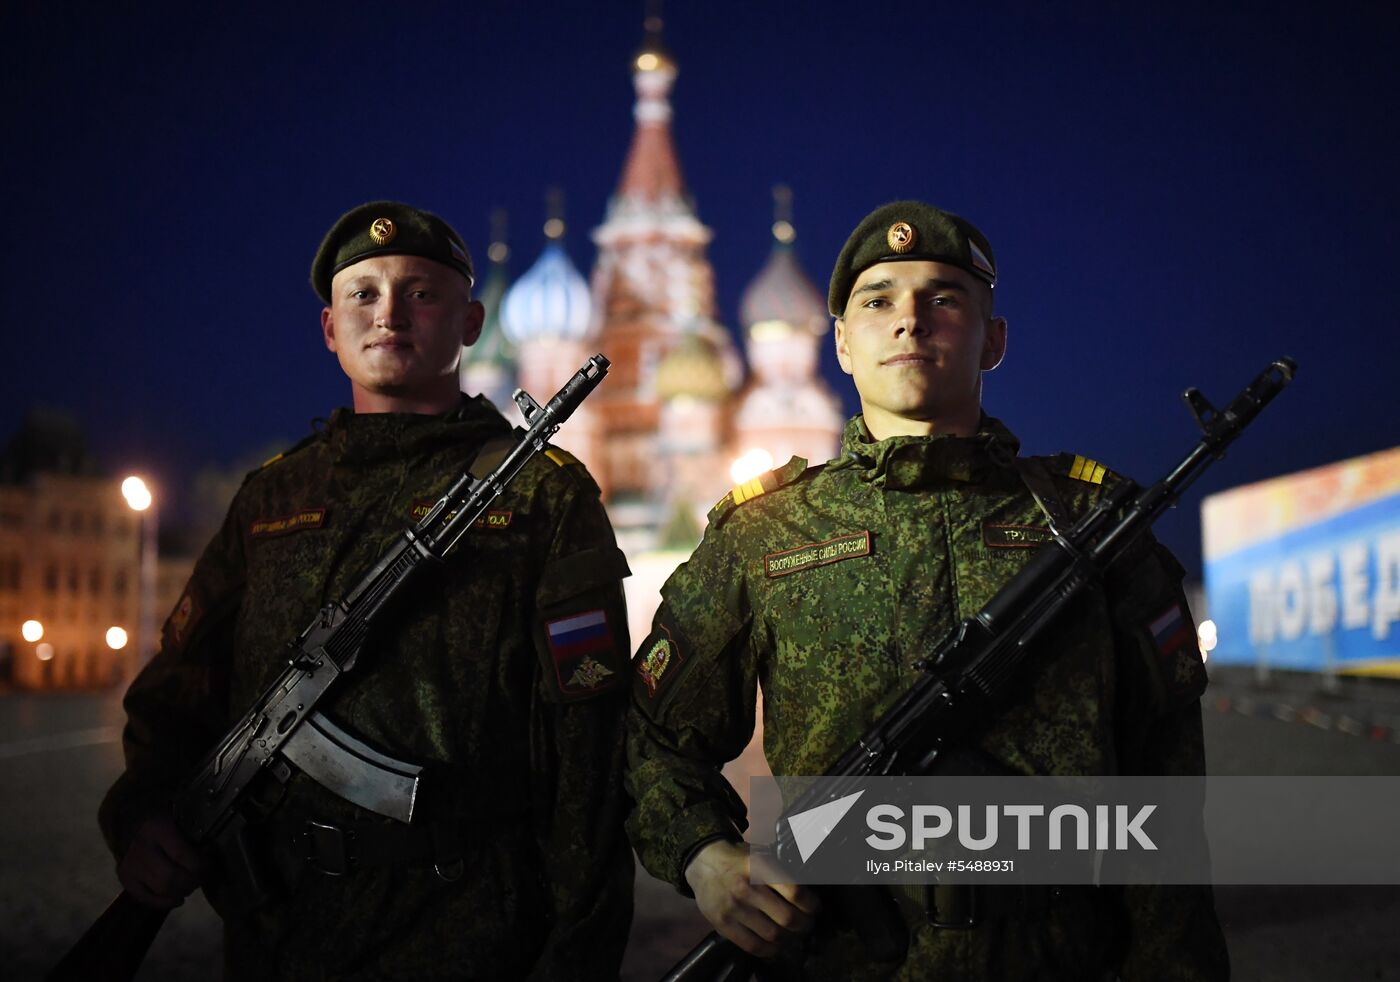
column 817, row 554
column 310, row 518
column 1014, row 536
column 491, row 520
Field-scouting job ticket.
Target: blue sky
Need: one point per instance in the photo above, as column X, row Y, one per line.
column 1175, row 195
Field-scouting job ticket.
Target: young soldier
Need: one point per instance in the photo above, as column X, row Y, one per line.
column 501, row 674
column 923, row 516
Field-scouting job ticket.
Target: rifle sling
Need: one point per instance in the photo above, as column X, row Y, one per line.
column 1036, row 477
column 488, row 456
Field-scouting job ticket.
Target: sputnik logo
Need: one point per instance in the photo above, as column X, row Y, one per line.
column 811, row 828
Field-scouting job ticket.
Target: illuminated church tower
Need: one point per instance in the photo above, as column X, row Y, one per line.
column 787, row 409
column 488, row 367
column 653, row 289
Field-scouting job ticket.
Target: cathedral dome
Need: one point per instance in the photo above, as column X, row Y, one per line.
column 693, row 368
column 551, row 300
column 784, row 294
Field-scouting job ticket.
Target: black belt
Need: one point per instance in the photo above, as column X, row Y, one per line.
column 339, row 848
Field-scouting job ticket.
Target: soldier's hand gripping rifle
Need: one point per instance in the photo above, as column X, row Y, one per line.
column 973, row 670
column 284, row 729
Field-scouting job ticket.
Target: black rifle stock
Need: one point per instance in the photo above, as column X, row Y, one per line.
column 257, row 749
column 976, row 666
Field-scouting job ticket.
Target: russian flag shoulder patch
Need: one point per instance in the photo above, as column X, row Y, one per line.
column 580, row 645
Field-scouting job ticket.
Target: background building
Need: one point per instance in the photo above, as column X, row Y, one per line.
column 664, row 432
column 70, row 560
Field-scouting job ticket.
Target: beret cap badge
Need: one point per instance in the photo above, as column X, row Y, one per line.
column 382, row 231
column 901, row 237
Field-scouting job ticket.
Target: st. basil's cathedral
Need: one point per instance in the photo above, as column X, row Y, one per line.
column 678, row 420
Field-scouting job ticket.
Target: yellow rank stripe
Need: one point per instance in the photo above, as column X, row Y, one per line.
column 1085, row 469
column 272, row 460
column 748, row 490
column 561, row 457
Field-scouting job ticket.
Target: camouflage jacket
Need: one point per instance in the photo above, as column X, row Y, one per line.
column 826, row 585
column 473, row 677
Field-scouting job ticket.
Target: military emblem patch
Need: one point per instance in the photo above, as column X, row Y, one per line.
column 573, row 640
column 1172, row 633
column 183, row 619
column 266, row 528
column 659, row 661
column 1014, row 536
column 817, row 554
column 589, row 675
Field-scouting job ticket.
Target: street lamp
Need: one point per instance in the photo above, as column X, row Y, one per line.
column 116, row 638
column 31, row 631
column 139, row 497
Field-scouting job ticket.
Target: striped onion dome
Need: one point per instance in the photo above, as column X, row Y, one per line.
column 782, row 294
column 551, row 300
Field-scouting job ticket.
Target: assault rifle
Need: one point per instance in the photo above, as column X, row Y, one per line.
column 284, row 730
column 973, row 670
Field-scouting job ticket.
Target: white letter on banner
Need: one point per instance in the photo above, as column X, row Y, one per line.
column 1081, row 825
column 1261, row 607
column 1134, row 828
column 1102, row 824
column 1356, row 612
column 989, row 838
column 1387, row 603
column 1292, row 602
column 922, row 833
column 892, row 828
column 1322, row 595
column 1023, row 815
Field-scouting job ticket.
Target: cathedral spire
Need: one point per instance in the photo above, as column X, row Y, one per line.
column 783, row 232
column 652, row 171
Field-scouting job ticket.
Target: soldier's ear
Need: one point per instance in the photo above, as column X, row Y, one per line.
column 474, row 317
column 994, row 344
column 327, row 329
column 843, row 351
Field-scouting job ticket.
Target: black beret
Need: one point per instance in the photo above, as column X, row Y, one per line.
column 386, row 228
column 909, row 230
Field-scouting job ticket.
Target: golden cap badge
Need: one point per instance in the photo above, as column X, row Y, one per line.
column 901, row 237
column 382, row 231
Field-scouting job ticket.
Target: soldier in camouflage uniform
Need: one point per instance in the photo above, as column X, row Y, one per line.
column 504, row 675
column 825, row 585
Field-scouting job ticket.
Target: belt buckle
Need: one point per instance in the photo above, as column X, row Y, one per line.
column 328, row 848
column 962, row 923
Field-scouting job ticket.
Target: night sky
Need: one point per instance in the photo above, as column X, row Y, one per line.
column 1175, row 197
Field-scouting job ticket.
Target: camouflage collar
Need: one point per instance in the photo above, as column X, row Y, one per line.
column 918, row 461
column 361, row 438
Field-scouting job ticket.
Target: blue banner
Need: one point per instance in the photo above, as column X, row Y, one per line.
column 1322, row 597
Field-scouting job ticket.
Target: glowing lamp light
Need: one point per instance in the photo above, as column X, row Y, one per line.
column 137, row 495
column 31, row 631
column 750, row 465
column 116, row 638
column 647, row 61
column 44, row 652
column 1207, row 637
